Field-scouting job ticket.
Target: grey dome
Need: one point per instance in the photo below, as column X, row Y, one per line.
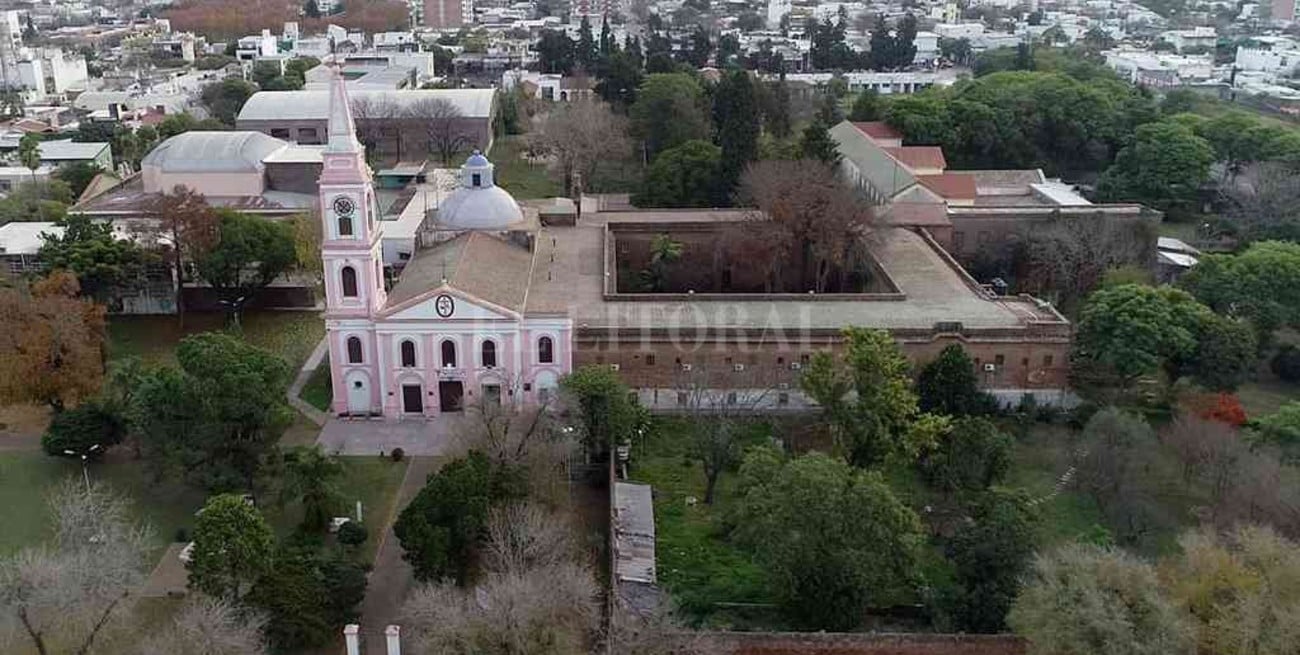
column 479, row 204
column 482, row 208
column 212, row 152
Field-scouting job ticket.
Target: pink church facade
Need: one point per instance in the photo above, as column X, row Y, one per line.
column 437, row 341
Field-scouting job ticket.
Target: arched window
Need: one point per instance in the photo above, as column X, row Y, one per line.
column 345, row 226
column 448, row 354
column 489, row 354
column 349, row 277
column 545, row 350
column 408, row 354
column 354, row 350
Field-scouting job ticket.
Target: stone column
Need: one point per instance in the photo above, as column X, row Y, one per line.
column 393, row 635
column 351, row 638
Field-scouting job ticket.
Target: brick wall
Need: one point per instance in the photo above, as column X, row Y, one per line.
column 754, row 643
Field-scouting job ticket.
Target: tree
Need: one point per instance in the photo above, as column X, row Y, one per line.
column 233, row 548
column 776, row 109
column 217, row 417
column 307, row 597
column 311, row 9
column 249, row 254
column 443, row 127
column 685, row 175
column 991, row 553
column 622, row 76
column 669, row 111
column 1261, row 284
column 1226, row 353
column 555, row 52
column 814, row 228
column 69, row 591
column 78, row 175
column 835, row 539
column 1132, row 330
column 866, row 107
column 1264, row 203
column 948, row 385
column 608, row 411
column 190, row 226
column 663, row 251
column 540, row 611
column 312, row 477
column 737, row 120
column 82, row 428
column 818, row 145
column 1086, row 599
column 1070, row 255
column 1239, row 589
column 1164, row 167
column 173, row 124
column 103, row 263
column 1281, row 427
column 224, row 99
column 441, row 528
column 51, row 343
column 580, row 136
column 585, row 52
column 211, row 627
column 1109, row 468
column 1286, row 363
column 29, row 153
column 972, row 455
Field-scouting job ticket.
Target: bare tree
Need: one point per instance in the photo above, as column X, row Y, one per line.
column 819, row 227
column 523, row 437
column 373, row 115
column 525, row 536
column 1265, row 200
column 207, row 626
column 581, row 135
column 443, row 127
column 1070, row 254
column 548, row 610
column 67, row 594
column 1112, row 465
column 723, row 413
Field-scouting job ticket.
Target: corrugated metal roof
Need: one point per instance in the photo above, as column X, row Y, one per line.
column 314, row 105
column 213, row 152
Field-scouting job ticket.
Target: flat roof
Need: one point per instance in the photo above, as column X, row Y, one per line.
column 568, row 278
column 68, row 149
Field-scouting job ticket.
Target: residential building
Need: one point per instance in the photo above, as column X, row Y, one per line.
column 447, row 14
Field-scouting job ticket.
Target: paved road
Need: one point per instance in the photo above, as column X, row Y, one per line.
column 390, row 580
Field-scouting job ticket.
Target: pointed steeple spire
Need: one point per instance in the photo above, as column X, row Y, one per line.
column 342, row 130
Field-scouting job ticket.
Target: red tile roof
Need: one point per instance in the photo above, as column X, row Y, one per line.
column 878, row 130
column 950, row 185
column 927, row 157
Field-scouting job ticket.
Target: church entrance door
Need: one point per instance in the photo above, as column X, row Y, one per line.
column 411, row 399
column 451, row 395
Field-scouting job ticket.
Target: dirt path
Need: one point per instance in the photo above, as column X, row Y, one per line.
column 390, row 580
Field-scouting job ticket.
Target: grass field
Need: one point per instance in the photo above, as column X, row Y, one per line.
column 317, row 392
column 26, row 479
column 292, row 335
column 523, row 179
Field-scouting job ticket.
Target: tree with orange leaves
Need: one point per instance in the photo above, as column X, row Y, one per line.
column 189, row 226
column 51, row 343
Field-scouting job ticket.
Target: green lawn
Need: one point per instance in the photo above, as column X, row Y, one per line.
column 317, row 392
column 695, row 563
column 524, row 180
column 27, row 478
column 292, row 335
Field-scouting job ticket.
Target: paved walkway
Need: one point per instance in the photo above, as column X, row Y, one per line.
column 295, row 390
column 391, row 578
column 418, row 436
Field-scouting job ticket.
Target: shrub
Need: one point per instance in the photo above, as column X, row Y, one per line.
column 82, row 427
column 353, row 534
column 1222, row 407
column 972, row 455
column 398, row 454
column 1286, row 363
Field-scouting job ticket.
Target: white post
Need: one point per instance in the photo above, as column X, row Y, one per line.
column 359, row 512
column 350, row 632
column 393, row 634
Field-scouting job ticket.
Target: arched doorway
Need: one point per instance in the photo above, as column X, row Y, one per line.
column 358, row 393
